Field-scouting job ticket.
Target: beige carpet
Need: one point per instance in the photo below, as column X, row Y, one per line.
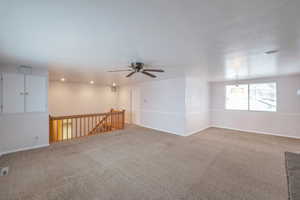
column 140, row 163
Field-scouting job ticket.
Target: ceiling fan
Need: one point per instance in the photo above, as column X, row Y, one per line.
column 138, row 67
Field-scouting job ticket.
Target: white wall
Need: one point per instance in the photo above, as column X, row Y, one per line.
column 286, row 121
column 197, row 103
column 157, row 104
column 178, row 105
column 124, row 102
column 76, row 98
column 160, row 105
column 24, row 130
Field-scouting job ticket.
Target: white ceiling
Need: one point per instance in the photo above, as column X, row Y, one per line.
column 81, row 40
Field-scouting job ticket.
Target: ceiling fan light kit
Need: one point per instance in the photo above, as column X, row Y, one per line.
column 138, row 67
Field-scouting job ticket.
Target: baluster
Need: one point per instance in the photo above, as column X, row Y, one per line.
column 62, row 130
column 86, row 126
column 122, row 114
column 83, row 125
column 56, row 138
column 76, row 127
column 101, row 126
column 118, row 117
column 68, row 125
column 114, row 114
column 72, row 128
column 67, row 129
column 106, row 122
column 80, row 126
column 94, row 122
column 110, row 122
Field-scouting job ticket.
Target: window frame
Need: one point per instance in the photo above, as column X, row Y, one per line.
column 254, row 83
column 225, row 105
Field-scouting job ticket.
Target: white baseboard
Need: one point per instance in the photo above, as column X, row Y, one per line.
column 24, row 149
column 194, row 132
column 174, row 133
column 161, row 130
column 256, row 132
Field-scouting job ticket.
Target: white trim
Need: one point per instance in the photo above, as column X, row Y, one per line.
column 174, row 133
column 254, row 79
column 194, row 132
column 24, row 149
column 161, row 130
column 255, row 132
column 161, row 112
column 253, row 111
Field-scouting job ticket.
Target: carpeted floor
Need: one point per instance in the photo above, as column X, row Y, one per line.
column 139, row 163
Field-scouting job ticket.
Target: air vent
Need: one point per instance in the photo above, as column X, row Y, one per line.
column 271, row 52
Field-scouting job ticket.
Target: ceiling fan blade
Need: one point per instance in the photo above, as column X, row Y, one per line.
column 148, row 74
column 121, row 70
column 154, row 70
column 130, row 74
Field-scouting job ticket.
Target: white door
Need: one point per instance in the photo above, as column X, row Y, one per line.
column 36, row 93
column 13, row 93
column 136, row 105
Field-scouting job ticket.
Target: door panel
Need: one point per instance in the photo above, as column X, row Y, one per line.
column 36, row 93
column 13, row 93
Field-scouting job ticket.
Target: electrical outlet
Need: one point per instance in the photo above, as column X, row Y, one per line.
column 4, row 171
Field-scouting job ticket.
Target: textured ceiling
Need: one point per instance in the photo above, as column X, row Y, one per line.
column 81, row 40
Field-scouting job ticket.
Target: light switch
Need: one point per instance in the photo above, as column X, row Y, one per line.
column 298, row 92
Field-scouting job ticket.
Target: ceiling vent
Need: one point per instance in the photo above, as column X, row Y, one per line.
column 271, row 52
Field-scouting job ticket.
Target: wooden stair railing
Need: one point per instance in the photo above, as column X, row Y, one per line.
column 69, row 127
column 101, row 125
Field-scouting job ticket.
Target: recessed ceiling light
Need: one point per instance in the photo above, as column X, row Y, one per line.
column 62, row 79
column 92, row 82
column 272, row 51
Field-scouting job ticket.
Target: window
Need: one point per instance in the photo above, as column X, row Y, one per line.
column 254, row 97
column 237, row 97
column 263, row 97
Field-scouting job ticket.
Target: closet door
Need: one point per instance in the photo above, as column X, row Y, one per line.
column 12, row 93
column 36, row 93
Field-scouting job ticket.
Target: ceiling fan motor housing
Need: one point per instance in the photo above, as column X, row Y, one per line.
column 138, row 66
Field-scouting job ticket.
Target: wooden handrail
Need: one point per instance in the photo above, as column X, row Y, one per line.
column 79, row 116
column 73, row 126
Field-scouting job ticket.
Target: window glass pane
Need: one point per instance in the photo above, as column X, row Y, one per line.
column 263, row 97
column 237, row 97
